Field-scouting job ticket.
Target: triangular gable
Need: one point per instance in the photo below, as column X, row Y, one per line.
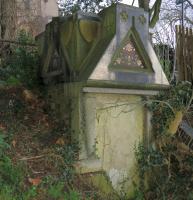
column 131, row 55
column 120, row 54
column 55, row 66
column 128, row 57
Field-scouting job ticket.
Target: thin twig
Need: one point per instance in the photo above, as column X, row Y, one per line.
column 133, row 2
column 138, row 103
column 189, row 103
column 31, row 158
column 34, row 172
column 18, row 43
column 164, row 102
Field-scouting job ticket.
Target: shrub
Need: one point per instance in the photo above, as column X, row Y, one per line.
column 21, row 66
column 165, row 167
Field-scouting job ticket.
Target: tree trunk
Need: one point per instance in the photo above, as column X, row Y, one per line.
column 8, row 17
column 153, row 12
column 144, row 4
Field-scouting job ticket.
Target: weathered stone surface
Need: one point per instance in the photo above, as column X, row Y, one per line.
column 112, row 46
column 114, row 124
column 99, row 68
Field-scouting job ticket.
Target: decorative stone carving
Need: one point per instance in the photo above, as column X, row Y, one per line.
column 89, row 30
column 142, row 19
column 128, row 57
column 124, row 16
column 108, row 65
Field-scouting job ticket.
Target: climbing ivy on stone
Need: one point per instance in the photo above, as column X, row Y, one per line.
column 165, row 165
column 165, row 105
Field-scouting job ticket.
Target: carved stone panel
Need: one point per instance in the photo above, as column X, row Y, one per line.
column 129, row 57
column 55, row 63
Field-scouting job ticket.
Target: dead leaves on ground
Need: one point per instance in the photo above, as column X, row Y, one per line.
column 35, row 181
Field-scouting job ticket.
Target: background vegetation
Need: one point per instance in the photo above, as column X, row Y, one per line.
column 20, row 63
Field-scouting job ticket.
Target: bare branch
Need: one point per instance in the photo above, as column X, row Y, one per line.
column 190, row 4
column 18, row 43
column 133, row 2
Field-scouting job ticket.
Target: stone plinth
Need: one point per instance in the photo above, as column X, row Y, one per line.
column 99, row 69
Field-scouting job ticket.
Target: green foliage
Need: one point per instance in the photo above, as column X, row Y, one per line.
column 24, row 37
column 59, row 189
column 11, row 176
column 147, row 158
column 14, row 175
column 6, row 193
column 20, row 67
column 170, row 177
column 13, row 81
column 165, row 169
column 166, row 104
column 56, row 191
column 11, row 180
column 69, row 155
column 65, row 152
column 166, row 65
column 95, row 6
column 72, row 195
column 3, row 144
column 9, row 193
column 30, row 193
column 138, row 194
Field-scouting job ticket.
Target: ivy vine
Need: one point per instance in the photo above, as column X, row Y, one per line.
column 165, row 168
column 166, row 104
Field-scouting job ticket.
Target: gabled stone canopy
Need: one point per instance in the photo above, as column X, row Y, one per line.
column 111, row 48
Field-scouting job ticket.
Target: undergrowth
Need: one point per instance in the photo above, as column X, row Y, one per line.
column 166, row 166
column 20, row 65
column 165, row 105
column 37, row 155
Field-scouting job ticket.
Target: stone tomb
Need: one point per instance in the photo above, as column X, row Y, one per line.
column 98, row 70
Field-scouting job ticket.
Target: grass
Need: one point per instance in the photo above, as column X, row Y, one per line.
column 36, row 153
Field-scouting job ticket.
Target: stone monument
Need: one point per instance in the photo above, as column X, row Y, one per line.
column 98, row 70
